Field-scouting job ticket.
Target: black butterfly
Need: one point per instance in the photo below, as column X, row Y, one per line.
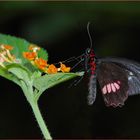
column 118, row 78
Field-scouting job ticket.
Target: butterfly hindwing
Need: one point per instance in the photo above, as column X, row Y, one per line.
column 113, row 82
column 133, row 70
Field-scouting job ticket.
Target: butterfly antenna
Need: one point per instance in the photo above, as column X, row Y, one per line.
column 90, row 39
column 66, row 61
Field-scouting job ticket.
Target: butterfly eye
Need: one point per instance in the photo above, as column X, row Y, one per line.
column 88, row 51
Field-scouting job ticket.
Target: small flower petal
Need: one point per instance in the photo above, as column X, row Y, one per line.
column 29, row 55
column 7, row 47
column 41, row 63
column 34, row 48
column 51, row 69
column 1, row 60
column 63, row 67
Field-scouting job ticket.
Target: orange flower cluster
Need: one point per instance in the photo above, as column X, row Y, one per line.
column 42, row 64
column 30, row 55
column 5, row 55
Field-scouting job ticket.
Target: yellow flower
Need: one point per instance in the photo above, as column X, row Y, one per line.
column 63, row 67
column 51, row 69
column 30, row 55
column 41, row 63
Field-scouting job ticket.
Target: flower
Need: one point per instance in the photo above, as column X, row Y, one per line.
column 34, row 48
column 51, row 69
column 1, row 60
column 7, row 47
column 5, row 53
column 29, row 55
column 63, row 68
column 41, row 63
column 5, row 58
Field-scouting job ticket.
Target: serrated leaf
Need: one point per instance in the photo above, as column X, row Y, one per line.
column 47, row 81
column 20, row 46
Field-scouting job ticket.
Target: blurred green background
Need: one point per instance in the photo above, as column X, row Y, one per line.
column 60, row 28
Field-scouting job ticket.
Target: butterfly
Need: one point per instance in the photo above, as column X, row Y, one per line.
column 118, row 77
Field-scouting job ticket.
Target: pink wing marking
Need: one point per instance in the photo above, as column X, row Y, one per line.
column 118, row 82
column 117, row 86
column 113, row 87
column 104, row 90
column 109, row 88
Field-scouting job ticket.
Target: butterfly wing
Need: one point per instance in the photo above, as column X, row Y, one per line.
column 113, row 82
column 132, row 69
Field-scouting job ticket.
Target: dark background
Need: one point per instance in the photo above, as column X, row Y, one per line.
column 60, row 28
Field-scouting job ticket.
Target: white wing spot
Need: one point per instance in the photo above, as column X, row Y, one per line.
column 130, row 73
column 129, row 77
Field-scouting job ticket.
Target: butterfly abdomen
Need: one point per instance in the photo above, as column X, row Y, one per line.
column 92, row 90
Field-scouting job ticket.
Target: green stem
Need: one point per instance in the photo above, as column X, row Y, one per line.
column 40, row 121
column 28, row 92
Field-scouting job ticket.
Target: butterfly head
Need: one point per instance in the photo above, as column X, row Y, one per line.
column 88, row 50
column 90, row 53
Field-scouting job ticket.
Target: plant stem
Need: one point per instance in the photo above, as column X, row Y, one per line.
column 28, row 92
column 40, row 121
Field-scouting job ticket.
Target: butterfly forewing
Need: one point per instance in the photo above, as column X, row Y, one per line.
column 113, row 82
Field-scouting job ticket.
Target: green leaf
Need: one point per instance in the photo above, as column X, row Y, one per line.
column 20, row 46
column 19, row 71
column 4, row 73
column 36, row 74
column 42, row 53
column 31, row 67
column 47, row 81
